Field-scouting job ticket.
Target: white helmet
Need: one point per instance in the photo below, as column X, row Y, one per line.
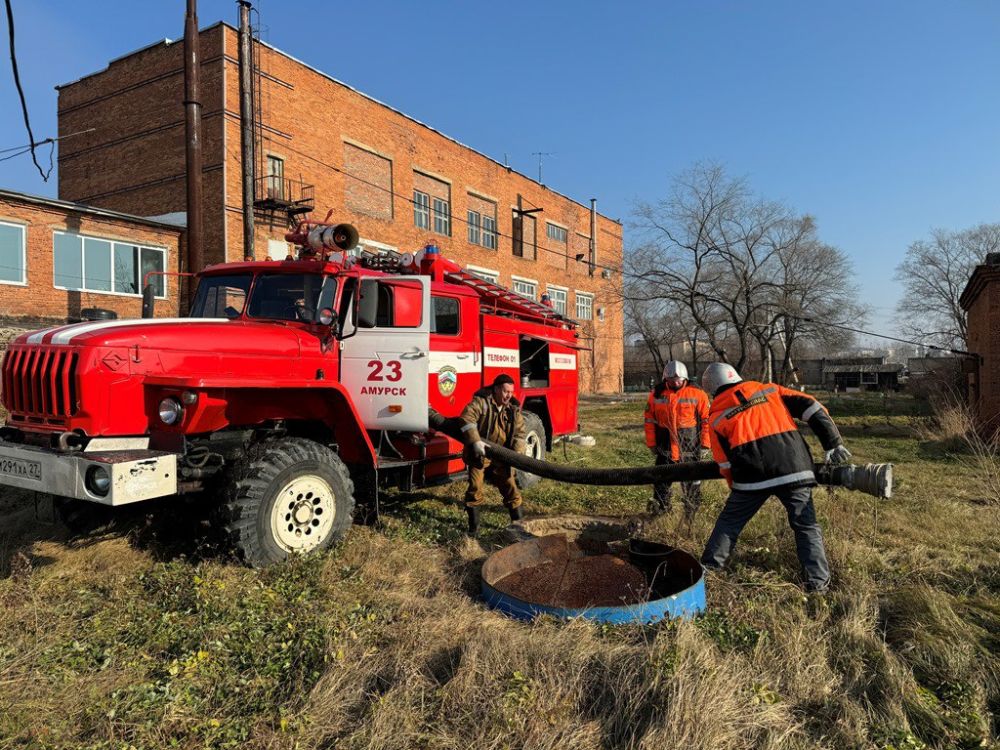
column 717, row 375
column 675, row 369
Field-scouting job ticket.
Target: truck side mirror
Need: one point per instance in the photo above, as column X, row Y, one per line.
column 148, row 300
column 367, row 306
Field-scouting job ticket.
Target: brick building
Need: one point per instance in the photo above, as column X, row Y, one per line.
column 58, row 258
column 981, row 301
column 325, row 146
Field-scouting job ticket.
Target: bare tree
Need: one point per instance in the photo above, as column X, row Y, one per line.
column 748, row 272
column 934, row 273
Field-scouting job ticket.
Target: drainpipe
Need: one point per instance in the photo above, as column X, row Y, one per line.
column 593, row 235
column 192, row 135
column 246, row 127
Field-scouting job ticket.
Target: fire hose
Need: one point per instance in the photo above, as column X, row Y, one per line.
column 871, row 479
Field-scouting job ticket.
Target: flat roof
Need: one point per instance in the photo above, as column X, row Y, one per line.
column 84, row 208
column 167, row 42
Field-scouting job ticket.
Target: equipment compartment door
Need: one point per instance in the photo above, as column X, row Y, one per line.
column 384, row 365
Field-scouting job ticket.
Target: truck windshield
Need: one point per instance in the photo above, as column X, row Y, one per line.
column 285, row 296
column 221, row 296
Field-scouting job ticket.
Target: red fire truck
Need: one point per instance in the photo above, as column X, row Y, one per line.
column 294, row 389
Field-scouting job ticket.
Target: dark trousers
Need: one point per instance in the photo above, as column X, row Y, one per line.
column 690, row 491
column 742, row 506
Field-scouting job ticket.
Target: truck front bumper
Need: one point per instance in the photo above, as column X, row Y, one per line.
column 114, row 477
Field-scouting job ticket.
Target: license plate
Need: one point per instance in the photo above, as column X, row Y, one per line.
column 20, row 468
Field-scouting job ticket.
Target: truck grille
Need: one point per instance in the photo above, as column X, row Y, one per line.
column 40, row 382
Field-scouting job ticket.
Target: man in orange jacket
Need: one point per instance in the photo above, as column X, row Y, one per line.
column 676, row 430
column 760, row 453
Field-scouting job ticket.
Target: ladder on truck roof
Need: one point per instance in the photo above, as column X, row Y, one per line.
column 514, row 302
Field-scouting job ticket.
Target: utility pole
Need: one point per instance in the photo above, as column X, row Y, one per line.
column 192, row 138
column 247, row 145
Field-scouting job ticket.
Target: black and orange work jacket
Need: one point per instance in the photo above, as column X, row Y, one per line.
column 676, row 419
column 755, row 439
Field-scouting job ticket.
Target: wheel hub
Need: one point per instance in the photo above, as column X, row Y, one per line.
column 303, row 513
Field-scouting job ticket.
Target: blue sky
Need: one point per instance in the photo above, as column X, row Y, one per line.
column 882, row 119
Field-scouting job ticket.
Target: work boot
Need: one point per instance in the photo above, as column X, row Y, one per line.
column 657, row 507
column 516, row 514
column 473, row 520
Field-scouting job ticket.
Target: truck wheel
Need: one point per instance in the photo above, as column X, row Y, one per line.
column 534, row 446
column 288, row 496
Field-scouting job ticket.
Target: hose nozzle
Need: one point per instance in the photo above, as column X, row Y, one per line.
column 872, row 479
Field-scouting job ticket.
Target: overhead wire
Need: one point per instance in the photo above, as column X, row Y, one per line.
column 20, row 93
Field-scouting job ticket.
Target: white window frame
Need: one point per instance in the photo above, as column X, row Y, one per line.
column 421, row 209
column 551, row 229
column 442, row 219
column 113, row 242
column 475, row 220
column 515, row 280
column 590, row 308
column 24, row 253
column 490, row 235
column 486, row 274
column 552, row 298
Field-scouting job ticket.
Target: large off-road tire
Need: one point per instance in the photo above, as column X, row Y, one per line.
column 534, row 446
column 288, row 496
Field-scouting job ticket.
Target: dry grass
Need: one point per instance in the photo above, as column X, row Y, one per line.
column 117, row 641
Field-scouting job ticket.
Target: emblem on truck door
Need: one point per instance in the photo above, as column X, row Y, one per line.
column 447, row 380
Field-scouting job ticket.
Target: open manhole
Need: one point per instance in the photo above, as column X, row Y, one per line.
column 592, row 570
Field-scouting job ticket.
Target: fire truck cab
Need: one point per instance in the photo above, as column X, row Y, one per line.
column 294, row 389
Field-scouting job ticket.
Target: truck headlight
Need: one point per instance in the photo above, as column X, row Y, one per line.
column 98, row 480
column 170, row 410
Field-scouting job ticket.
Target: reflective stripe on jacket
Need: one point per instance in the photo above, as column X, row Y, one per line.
column 672, row 416
column 755, row 440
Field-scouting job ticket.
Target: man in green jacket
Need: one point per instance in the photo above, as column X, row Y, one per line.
column 495, row 415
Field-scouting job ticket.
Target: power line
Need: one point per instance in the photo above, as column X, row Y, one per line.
column 27, row 146
column 20, row 93
column 959, row 352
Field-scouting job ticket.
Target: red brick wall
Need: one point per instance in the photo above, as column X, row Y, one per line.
column 984, row 339
column 316, row 126
column 39, row 300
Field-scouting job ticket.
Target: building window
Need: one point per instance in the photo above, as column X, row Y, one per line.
column 557, row 233
column 275, row 178
column 558, row 296
column 482, row 221
column 475, row 224
column 435, row 196
column 97, row 265
column 525, row 287
column 490, row 232
column 485, row 274
column 13, row 258
column 442, row 217
column 584, row 306
column 421, row 210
